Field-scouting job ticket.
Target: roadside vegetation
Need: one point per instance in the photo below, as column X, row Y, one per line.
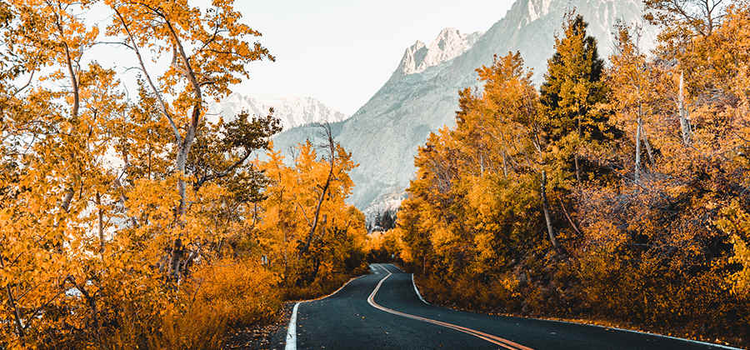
column 615, row 192
column 129, row 218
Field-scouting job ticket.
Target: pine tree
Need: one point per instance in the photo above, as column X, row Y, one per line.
column 572, row 90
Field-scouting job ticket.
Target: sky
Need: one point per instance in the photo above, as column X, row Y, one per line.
column 342, row 51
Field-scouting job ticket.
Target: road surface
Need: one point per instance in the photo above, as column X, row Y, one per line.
column 383, row 310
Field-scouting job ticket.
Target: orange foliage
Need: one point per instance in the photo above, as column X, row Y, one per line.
column 131, row 221
column 612, row 194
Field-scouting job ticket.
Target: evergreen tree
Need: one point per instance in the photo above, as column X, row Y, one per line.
column 572, row 91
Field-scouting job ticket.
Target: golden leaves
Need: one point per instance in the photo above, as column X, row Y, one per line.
column 653, row 244
column 91, row 232
column 289, row 210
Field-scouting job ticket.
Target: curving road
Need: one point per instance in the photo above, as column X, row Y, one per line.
column 383, row 310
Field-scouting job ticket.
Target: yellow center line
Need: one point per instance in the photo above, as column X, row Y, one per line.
column 505, row 343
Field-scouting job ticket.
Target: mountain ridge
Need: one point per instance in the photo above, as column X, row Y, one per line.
column 385, row 133
column 293, row 111
column 449, row 44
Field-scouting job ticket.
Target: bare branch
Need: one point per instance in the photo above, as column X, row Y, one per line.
column 164, row 109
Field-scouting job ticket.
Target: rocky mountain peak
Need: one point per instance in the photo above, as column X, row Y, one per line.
column 538, row 9
column 420, row 97
column 293, row 111
column 449, row 44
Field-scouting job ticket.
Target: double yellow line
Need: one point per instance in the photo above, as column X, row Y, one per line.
column 502, row 342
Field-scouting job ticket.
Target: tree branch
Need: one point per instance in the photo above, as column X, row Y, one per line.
column 164, row 109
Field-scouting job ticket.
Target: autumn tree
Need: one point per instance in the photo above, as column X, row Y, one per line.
column 108, row 201
column 209, row 53
column 510, row 93
column 684, row 25
column 56, row 137
column 636, row 94
column 650, row 225
column 308, row 232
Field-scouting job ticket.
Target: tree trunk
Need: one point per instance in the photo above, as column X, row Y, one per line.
column 74, row 110
column 175, row 259
column 100, row 215
column 578, row 143
column 91, row 300
column 17, row 319
column 16, row 312
column 638, row 151
column 683, row 111
column 545, row 208
column 505, row 165
column 332, row 149
column 69, row 192
column 649, row 151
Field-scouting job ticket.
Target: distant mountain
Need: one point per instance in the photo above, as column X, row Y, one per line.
column 449, row 44
column 421, row 96
column 293, row 111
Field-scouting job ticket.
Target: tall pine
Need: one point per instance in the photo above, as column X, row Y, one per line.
column 571, row 94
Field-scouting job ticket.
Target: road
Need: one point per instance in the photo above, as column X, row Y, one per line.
column 383, row 310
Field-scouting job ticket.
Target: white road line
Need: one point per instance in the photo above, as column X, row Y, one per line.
column 721, row 346
column 291, row 333
column 675, row 338
column 291, row 337
column 502, row 342
column 416, row 290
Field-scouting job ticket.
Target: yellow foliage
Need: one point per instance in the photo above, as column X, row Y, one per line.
column 592, row 197
column 131, row 221
column 736, row 222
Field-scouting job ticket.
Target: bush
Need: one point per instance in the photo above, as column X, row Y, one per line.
column 217, row 297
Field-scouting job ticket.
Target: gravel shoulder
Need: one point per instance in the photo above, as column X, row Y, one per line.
column 263, row 336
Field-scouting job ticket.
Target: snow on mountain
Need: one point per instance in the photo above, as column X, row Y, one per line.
column 538, row 9
column 421, row 95
column 449, row 44
column 293, row 111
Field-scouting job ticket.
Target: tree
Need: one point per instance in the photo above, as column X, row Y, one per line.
column 659, row 241
column 314, row 189
column 636, row 93
column 700, row 17
column 571, row 92
column 209, row 53
column 511, row 94
column 684, row 24
column 226, row 148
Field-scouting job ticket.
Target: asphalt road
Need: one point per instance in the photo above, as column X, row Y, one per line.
column 382, row 310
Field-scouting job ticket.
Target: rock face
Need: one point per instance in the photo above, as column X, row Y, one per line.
column 449, row 44
column 421, row 96
column 293, row 111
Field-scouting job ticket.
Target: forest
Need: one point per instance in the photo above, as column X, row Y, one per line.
column 130, row 218
column 616, row 192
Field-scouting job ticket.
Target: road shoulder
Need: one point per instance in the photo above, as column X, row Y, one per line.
column 263, row 336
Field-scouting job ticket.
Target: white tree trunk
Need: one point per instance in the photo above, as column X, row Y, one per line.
column 638, row 151
column 683, row 111
column 545, row 209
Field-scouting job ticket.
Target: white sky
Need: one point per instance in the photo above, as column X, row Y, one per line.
column 342, row 51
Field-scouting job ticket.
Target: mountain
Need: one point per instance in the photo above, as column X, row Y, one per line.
column 293, row 111
column 449, row 44
column 421, row 96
